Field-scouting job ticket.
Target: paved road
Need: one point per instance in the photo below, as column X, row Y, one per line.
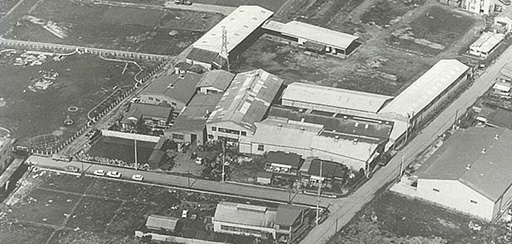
column 345, row 209
column 190, row 183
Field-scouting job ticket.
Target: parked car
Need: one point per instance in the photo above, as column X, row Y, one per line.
column 99, row 172
column 72, row 169
column 138, row 177
column 114, row 174
column 184, row 214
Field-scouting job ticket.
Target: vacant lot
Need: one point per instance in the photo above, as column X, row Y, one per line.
column 37, row 108
column 81, row 23
column 394, row 219
column 95, row 210
column 122, row 149
column 432, row 31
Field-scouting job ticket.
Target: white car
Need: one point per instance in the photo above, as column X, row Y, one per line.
column 114, row 174
column 99, row 172
column 138, row 177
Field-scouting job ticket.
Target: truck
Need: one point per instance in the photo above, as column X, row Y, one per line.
column 182, row 2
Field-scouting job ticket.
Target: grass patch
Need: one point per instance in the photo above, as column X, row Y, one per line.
column 93, row 214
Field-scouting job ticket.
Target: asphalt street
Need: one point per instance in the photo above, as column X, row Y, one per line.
column 158, row 178
column 343, row 210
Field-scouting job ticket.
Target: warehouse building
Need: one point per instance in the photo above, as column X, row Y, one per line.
column 245, row 102
column 470, row 173
column 241, row 27
column 215, row 81
column 313, row 38
column 416, row 104
column 329, row 99
column 486, row 44
column 174, row 90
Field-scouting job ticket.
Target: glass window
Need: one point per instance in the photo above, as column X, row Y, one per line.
column 244, row 133
column 214, row 128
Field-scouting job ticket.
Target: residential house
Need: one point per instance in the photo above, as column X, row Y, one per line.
column 161, row 223
column 190, row 125
column 282, row 162
column 291, row 221
column 153, row 119
column 315, row 170
column 244, row 219
column 486, row 44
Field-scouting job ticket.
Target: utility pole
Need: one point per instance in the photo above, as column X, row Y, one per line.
column 223, row 158
column 224, row 48
column 318, row 195
column 136, row 159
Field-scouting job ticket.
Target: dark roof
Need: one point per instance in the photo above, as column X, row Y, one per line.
column 329, row 169
column 461, row 158
column 219, row 79
column 182, row 65
column 344, row 126
column 193, row 118
column 279, row 157
column 137, row 110
column 206, row 56
column 157, row 156
column 501, row 117
column 160, row 144
column 288, row 214
column 247, row 99
column 181, row 87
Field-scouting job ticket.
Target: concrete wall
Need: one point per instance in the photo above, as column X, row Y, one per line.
column 130, row 136
column 457, row 196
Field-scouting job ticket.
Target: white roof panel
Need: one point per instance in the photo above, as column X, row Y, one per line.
column 317, row 34
column 487, row 41
column 239, row 25
column 417, row 96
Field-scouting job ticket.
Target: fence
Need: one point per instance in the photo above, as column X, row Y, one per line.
column 130, row 136
column 88, row 50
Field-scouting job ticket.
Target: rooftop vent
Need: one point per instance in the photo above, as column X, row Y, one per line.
column 483, row 151
column 355, row 141
column 468, row 167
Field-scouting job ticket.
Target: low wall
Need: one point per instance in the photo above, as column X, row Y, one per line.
column 130, row 136
column 89, row 50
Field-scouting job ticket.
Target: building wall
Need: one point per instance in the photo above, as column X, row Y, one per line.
column 255, row 149
column 5, row 153
column 455, row 195
column 504, row 202
column 186, row 136
column 157, row 99
column 481, row 7
column 217, row 227
column 216, row 131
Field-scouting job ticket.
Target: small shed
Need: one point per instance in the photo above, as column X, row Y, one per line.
column 159, row 223
column 264, row 178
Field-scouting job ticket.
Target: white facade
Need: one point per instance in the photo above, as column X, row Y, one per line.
column 455, row 195
column 226, row 129
column 481, row 7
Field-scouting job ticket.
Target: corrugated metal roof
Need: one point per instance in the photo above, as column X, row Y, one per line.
column 318, row 34
column 286, row 133
column 247, row 99
column 141, row 109
column 426, row 88
column 487, row 41
column 461, row 158
column 334, row 97
column 244, row 214
column 239, row 25
column 284, row 158
column 177, row 86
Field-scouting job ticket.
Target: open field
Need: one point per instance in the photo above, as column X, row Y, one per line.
column 39, row 98
column 394, row 219
column 378, row 65
column 95, row 210
column 83, row 23
column 429, row 33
